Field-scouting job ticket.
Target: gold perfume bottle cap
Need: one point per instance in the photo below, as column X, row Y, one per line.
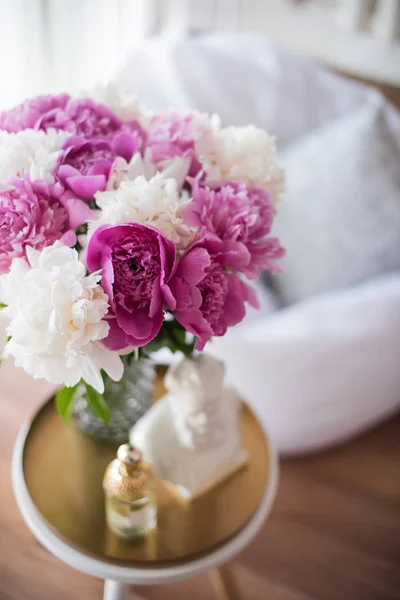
column 128, row 477
column 129, row 455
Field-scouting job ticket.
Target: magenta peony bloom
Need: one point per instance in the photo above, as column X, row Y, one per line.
column 27, row 114
column 85, row 165
column 235, row 212
column 173, row 134
column 35, row 214
column 204, row 296
column 137, row 262
column 91, row 120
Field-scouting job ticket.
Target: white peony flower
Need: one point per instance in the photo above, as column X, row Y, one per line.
column 30, row 151
column 245, row 154
column 124, row 103
column 124, row 171
column 154, row 202
column 176, row 168
column 56, row 315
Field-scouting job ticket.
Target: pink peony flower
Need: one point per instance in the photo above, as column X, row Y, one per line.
column 173, row 134
column 204, row 296
column 86, row 118
column 27, row 114
column 235, row 212
column 85, row 165
column 137, row 262
column 35, row 214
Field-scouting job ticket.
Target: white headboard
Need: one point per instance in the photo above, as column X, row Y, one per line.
column 51, row 45
column 361, row 37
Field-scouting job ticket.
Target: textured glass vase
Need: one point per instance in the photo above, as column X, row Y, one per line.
column 127, row 399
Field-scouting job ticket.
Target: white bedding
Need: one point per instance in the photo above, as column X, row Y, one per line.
column 326, row 368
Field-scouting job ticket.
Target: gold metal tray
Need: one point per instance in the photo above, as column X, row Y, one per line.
column 63, row 470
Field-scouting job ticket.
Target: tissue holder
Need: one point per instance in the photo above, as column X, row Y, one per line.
column 191, row 436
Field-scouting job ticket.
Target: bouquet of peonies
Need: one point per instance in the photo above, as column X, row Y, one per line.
column 123, row 231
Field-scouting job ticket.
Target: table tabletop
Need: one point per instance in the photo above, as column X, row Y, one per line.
column 334, row 532
column 63, row 470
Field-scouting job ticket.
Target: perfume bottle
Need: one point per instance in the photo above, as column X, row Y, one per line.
column 129, row 487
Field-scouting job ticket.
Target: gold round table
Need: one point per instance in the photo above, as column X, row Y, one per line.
column 57, row 475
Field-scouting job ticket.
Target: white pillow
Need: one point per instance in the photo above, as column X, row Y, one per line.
column 245, row 78
column 340, row 218
column 322, row 370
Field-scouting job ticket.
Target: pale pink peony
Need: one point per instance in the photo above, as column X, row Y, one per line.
column 204, row 296
column 174, row 134
column 27, row 114
column 85, row 165
column 35, row 214
column 239, row 213
column 82, row 117
column 91, row 120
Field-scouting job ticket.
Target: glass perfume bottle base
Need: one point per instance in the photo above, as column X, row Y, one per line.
column 131, row 533
column 130, row 521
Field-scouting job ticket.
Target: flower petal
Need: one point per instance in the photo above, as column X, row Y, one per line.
column 124, row 145
column 193, row 264
column 69, row 238
column 193, row 321
column 78, row 211
column 85, row 186
column 137, row 325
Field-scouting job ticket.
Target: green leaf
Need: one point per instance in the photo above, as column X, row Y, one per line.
column 65, row 400
column 2, row 306
column 173, row 336
column 177, row 338
column 98, row 404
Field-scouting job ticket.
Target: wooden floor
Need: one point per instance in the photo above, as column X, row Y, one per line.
column 334, row 533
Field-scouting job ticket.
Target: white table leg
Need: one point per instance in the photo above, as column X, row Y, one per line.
column 115, row 590
column 224, row 583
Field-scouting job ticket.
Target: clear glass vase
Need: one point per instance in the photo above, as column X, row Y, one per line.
column 127, row 399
